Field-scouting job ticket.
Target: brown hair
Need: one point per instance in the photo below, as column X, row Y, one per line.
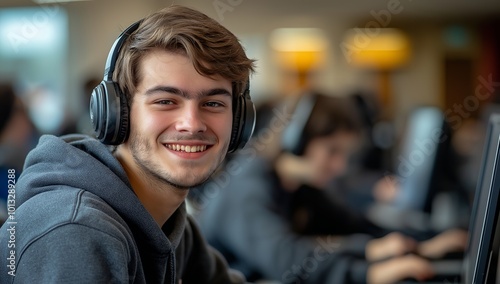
column 212, row 48
column 331, row 115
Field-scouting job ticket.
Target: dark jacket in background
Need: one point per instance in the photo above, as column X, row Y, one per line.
column 247, row 215
column 317, row 212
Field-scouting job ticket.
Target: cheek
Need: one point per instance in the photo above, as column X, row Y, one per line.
column 145, row 121
column 222, row 126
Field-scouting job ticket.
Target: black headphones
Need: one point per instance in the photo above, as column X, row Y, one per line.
column 292, row 139
column 109, row 110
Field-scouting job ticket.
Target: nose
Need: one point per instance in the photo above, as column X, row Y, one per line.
column 190, row 120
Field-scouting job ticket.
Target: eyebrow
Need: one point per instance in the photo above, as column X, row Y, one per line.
column 187, row 95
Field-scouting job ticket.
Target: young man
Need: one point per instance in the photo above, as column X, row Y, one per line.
column 88, row 214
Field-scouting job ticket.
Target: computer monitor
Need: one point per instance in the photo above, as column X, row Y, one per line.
column 482, row 249
column 422, row 164
column 424, row 146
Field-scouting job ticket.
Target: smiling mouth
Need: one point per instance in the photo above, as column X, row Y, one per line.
column 187, row 148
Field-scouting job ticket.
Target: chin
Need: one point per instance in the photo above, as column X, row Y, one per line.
column 188, row 180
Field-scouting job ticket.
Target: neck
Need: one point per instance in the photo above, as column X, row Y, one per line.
column 160, row 199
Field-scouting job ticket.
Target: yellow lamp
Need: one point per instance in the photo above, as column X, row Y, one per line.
column 384, row 49
column 299, row 50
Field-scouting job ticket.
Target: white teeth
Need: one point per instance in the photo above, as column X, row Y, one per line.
column 187, row 148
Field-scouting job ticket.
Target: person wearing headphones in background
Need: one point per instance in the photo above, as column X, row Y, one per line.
column 253, row 212
column 174, row 100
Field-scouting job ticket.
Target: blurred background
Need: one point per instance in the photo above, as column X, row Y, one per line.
column 405, row 53
column 394, row 56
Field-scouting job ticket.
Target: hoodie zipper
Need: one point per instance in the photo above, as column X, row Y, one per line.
column 171, row 261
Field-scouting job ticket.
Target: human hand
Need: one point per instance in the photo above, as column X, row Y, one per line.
column 454, row 240
column 393, row 244
column 295, row 168
column 399, row 268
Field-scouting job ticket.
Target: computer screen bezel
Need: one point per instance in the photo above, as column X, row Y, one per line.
column 484, row 210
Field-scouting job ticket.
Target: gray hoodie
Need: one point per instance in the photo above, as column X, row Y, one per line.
column 77, row 220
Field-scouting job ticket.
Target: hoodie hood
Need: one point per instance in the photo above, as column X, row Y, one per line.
column 83, row 163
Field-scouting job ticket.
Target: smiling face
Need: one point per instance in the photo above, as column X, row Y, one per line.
column 180, row 121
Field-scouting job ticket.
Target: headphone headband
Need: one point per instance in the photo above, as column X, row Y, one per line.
column 115, row 50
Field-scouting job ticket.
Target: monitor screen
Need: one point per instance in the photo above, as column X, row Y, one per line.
column 416, row 165
column 483, row 216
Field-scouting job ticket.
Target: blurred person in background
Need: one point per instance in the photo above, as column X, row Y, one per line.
column 82, row 123
column 269, row 215
column 18, row 136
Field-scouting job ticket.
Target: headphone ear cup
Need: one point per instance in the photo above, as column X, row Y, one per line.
column 97, row 110
column 236, row 128
column 109, row 113
column 124, row 121
column 243, row 123
column 248, row 121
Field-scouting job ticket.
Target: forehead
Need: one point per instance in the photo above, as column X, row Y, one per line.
column 160, row 67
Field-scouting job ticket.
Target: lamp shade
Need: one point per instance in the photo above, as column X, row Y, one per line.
column 299, row 49
column 385, row 49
